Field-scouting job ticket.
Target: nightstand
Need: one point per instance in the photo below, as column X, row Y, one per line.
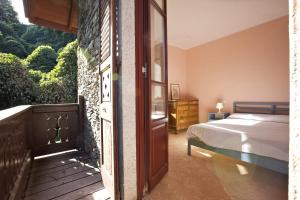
column 217, row 116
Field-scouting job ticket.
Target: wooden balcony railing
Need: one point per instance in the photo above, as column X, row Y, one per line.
column 28, row 131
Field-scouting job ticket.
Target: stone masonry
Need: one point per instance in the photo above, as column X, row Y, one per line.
column 88, row 73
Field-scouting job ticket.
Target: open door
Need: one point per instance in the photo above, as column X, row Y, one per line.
column 109, row 154
column 157, row 92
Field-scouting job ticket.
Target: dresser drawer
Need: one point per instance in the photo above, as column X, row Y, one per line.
column 195, row 102
column 193, row 120
column 182, row 108
column 193, row 108
column 183, row 113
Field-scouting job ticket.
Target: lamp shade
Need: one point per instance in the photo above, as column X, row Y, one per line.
column 220, row 106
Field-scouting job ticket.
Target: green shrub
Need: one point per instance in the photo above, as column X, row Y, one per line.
column 7, row 13
column 6, row 29
column 19, row 29
column 66, row 70
column 35, row 75
column 14, row 47
column 51, row 91
column 16, row 86
column 43, row 58
column 1, row 38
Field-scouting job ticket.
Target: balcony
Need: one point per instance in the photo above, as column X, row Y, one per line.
column 42, row 157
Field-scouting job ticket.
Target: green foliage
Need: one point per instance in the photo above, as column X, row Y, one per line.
column 7, row 13
column 1, row 38
column 19, row 29
column 66, row 72
column 13, row 46
column 21, row 39
column 42, row 58
column 36, row 36
column 12, row 43
column 67, row 69
column 6, row 29
column 35, row 75
column 16, row 86
column 44, row 76
column 51, row 91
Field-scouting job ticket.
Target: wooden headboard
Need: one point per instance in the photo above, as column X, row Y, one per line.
column 274, row 108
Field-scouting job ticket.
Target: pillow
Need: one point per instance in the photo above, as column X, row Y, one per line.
column 261, row 117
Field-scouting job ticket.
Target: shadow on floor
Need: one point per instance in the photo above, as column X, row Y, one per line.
column 70, row 175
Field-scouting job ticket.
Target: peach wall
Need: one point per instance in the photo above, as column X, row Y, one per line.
column 252, row 65
column 177, row 69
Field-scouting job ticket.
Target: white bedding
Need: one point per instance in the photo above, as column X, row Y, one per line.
column 265, row 135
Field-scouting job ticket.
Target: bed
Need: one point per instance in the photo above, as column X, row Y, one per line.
column 257, row 133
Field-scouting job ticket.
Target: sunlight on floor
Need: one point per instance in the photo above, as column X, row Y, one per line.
column 55, row 154
column 204, row 154
column 101, row 195
column 242, row 169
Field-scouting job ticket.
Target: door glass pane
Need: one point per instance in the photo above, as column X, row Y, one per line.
column 160, row 3
column 157, row 46
column 158, row 101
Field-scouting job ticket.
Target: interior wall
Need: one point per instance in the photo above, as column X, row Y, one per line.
column 251, row 65
column 177, row 71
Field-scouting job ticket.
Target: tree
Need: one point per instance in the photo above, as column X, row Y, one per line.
column 19, row 29
column 67, row 62
column 66, row 72
column 1, row 38
column 36, row 35
column 16, row 87
column 14, row 47
column 43, row 58
column 51, row 91
column 7, row 13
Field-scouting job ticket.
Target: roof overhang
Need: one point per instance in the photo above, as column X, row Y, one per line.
column 58, row 14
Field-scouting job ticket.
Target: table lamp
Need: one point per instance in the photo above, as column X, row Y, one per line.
column 220, row 106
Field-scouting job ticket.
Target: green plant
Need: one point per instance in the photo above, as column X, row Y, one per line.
column 13, row 46
column 51, row 91
column 7, row 13
column 43, row 58
column 66, row 70
column 16, row 86
column 35, row 75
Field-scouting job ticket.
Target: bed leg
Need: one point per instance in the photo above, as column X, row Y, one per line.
column 189, row 148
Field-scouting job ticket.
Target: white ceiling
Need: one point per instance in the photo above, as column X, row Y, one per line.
column 195, row 22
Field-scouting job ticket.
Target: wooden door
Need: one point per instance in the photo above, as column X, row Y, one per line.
column 109, row 151
column 157, row 90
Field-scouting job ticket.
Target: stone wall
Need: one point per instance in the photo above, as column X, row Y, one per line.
column 88, row 73
column 89, row 87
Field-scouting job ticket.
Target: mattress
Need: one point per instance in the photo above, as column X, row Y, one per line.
column 260, row 134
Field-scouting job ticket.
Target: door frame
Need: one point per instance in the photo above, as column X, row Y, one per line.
column 141, row 94
column 140, row 98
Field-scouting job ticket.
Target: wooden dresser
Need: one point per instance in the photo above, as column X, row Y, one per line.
column 183, row 113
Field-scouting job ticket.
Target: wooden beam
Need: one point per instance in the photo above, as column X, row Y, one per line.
column 64, row 20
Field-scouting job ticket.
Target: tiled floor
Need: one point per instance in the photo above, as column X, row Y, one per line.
column 209, row 176
column 67, row 176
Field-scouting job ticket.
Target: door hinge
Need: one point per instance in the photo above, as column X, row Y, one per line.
column 144, row 70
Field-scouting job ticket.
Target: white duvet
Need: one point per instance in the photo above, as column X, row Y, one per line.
column 265, row 135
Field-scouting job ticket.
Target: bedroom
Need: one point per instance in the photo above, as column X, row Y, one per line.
column 241, row 54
